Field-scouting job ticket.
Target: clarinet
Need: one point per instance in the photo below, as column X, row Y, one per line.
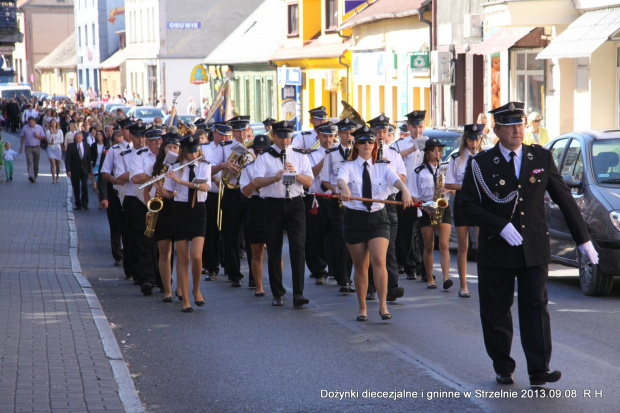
column 380, row 151
column 287, row 191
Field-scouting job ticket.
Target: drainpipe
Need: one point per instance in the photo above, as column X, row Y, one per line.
column 275, row 67
column 347, row 88
column 431, row 47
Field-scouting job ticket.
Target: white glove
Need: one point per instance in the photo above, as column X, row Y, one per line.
column 511, row 235
column 588, row 250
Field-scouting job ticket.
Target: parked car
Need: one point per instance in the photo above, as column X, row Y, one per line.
column 8, row 89
column 187, row 119
column 589, row 163
column 40, row 95
column 125, row 109
column 96, row 104
column 108, row 107
column 146, row 113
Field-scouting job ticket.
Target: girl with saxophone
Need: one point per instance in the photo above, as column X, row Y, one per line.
column 164, row 225
column 470, row 145
column 189, row 188
column 425, row 183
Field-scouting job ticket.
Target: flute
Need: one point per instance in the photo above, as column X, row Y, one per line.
column 157, row 178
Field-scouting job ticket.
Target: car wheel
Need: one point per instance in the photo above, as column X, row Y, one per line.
column 593, row 281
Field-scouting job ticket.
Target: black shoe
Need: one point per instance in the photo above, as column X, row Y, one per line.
column 542, row 377
column 167, row 299
column 31, row 179
column 147, row 288
column 212, row 276
column 187, row 310
column 77, row 208
column 128, row 277
column 86, row 207
column 412, row 276
column 395, row 293
column 401, row 270
column 200, row 303
column 506, row 378
column 277, row 301
column 299, row 300
column 252, row 283
column 180, row 297
column 236, row 284
column 259, row 294
column 344, row 288
column 204, row 271
column 431, row 286
column 370, row 297
column 447, row 284
column 351, row 288
column 464, row 295
column 386, row 316
column 320, row 281
column 118, row 263
column 362, row 318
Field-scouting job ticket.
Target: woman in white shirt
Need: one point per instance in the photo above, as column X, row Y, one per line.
column 190, row 217
column 69, row 135
column 470, row 145
column 421, row 182
column 366, row 225
column 54, row 148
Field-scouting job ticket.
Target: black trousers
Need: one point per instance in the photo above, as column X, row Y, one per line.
column 390, row 260
column 79, row 182
column 130, row 259
column 340, row 262
column 281, row 214
column 235, row 214
column 115, row 221
column 496, row 289
column 144, row 247
column 316, row 231
column 211, row 249
column 409, row 241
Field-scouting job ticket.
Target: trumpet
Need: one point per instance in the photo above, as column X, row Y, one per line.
column 161, row 176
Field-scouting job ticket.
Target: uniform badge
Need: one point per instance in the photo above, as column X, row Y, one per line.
column 530, row 156
column 533, row 174
column 502, row 182
column 532, row 179
column 511, row 107
column 496, row 160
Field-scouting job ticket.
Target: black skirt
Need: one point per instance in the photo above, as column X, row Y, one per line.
column 189, row 222
column 362, row 226
column 164, row 228
column 256, row 226
column 460, row 219
column 425, row 219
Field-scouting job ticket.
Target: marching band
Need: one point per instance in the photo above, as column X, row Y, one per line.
column 342, row 192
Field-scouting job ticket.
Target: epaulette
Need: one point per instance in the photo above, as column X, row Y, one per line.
column 394, row 149
column 248, row 164
column 141, row 151
column 419, row 168
column 125, row 152
column 306, row 132
column 330, row 150
column 115, row 146
column 204, row 160
column 455, row 155
column 299, row 150
column 383, row 161
column 272, row 152
column 478, row 154
column 227, row 142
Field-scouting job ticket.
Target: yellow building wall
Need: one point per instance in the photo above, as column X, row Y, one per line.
column 310, row 24
column 111, row 82
column 603, row 93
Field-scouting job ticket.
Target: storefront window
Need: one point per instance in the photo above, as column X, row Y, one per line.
column 530, row 81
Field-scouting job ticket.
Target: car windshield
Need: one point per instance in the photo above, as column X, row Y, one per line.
column 147, row 113
column 606, row 161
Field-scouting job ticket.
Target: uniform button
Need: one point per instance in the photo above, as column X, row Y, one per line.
column 519, row 186
column 522, row 226
column 522, row 213
column 521, row 199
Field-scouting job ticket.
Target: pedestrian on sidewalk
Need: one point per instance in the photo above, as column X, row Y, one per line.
column 78, row 167
column 8, row 157
column 54, row 151
column 32, row 135
column 1, row 157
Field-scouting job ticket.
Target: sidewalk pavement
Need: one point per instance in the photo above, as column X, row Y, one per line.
column 57, row 350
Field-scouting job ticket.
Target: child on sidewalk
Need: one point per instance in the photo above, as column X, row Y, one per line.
column 8, row 157
column 1, row 157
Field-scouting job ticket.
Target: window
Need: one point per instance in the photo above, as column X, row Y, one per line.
column 79, row 37
column 268, row 98
column 87, row 78
column 572, row 164
column 94, row 36
column 246, row 94
column 530, row 81
column 557, row 149
column 331, row 15
column 258, row 98
column 293, row 19
column 85, row 36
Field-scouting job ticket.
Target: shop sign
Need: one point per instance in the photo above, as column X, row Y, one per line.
column 198, row 75
column 291, row 105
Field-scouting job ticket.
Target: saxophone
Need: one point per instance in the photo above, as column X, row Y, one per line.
column 439, row 201
column 154, row 205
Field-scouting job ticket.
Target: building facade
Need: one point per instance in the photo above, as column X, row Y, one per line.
column 47, row 23
column 96, row 24
column 58, row 70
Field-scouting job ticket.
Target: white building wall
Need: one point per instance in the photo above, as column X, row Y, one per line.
column 602, row 81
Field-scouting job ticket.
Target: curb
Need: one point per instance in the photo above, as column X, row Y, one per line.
column 126, row 388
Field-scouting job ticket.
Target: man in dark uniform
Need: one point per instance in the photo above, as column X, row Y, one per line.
column 503, row 193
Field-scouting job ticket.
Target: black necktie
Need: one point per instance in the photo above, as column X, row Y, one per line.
column 512, row 163
column 346, row 154
column 366, row 187
column 190, row 192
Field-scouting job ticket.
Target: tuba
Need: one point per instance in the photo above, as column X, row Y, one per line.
column 439, row 201
column 349, row 112
column 231, row 179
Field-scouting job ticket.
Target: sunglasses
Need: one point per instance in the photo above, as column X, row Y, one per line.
column 537, row 120
column 366, row 142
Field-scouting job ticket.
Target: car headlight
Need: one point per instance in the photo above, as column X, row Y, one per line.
column 614, row 217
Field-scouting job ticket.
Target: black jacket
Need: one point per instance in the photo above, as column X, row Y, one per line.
column 73, row 163
column 494, row 179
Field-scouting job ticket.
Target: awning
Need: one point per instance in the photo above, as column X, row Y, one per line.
column 503, row 39
column 312, row 50
column 584, row 35
column 114, row 61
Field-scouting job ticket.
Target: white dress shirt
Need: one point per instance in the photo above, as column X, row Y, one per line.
column 202, row 170
column 267, row 166
column 416, row 157
column 110, row 159
column 334, row 159
column 382, row 177
column 123, row 164
column 517, row 160
column 421, row 184
column 208, row 153
column 396, row 163
column 456, row 168
column 142, row 162
column 316, row 156
column 247, row 176
column 304, row 139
